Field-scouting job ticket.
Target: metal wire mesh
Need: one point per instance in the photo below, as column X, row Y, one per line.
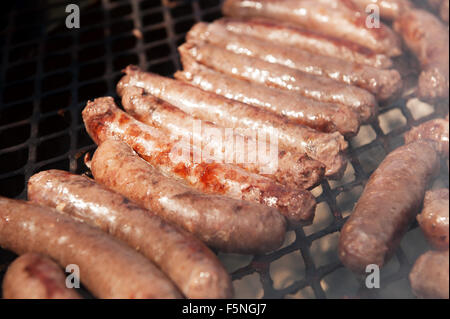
column 48, row 72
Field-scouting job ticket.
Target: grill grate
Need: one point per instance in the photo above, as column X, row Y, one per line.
column 48, row 72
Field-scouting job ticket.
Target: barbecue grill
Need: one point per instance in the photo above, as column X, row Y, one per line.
column 48, row 72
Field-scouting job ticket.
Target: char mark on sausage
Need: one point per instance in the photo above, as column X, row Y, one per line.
column 323, row 147
column 221, row 222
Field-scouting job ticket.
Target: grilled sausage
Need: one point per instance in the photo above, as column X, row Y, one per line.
column 324, row 117
column 326, row 148
column 382, row 83
column 188, row 262
column 108, row 268
column 389, row 203
column 428, row 39
column 336, row 18
column 389, row 9
column 103, row 120
column 444, row 10
column 278, row 76
column 434, row 220
column 34, row 276
column 429, row 276
column 316, row 43
column 224, row 223
column 434, row 132
column 290, row 170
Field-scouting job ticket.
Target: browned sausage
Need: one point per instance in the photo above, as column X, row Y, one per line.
column 316, row 43
column 221, row 222
column 252, row 69
column 103, row 120
column 34, row 276
column 108, row 268
column 389, row 9
column 388, row 205
column 188, row 262
column 429, row 276
column 295, row 171
column 207, row 106
column 444, row 10
column 434, row 220
column 325, row 117
column 428, row 39
column 383, row 83
column 337, row 18
column 434, row 132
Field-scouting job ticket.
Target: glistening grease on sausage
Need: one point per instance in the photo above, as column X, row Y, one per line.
column 184, row 259
column 434, row 219
column 34, row 276
column 430, row 275
column 336, row 18
column 434, row 132
column 316, row 43
column 224, row 223
column 389, row 9
column 390, row 201
column 325, row 117
column 384, row 84
column 108, row 268
column 104, row 120
column 290, row 169
column 252, row 69
column 325, row 148
column 428, row 39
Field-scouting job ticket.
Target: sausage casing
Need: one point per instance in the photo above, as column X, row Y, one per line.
column 316, row 43
column 434, row 132
column 108, row 268
column 384, row 84
column 103, row 120
column 323, row 147
column 294, row 171
column 252, row 69
column 434, row 220
column 34, row 276
column 325, row 117
column 224, row 223
column 184, row 259
column 429, row 277
column 337, row 18
column 390, row 201
column 428, row 39
column 389, row 9
column 444, row 10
